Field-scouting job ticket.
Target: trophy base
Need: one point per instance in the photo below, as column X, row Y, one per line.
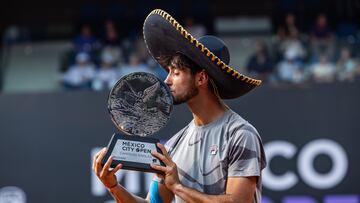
column 133, row 152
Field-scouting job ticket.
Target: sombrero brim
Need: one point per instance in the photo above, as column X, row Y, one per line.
column 165, row 36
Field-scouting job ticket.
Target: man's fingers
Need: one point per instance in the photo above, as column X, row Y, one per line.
column 98, row 161
column 161, row 157
column 159, row 168
column 105, row 169
column 118, row 167
column 101, row 156
column 95, row 157
column 163, row 150
column 99, row 152
column 93, row 163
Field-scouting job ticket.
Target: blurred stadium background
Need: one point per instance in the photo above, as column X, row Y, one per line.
column 58, row 60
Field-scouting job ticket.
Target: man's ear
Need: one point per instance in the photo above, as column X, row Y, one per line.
column 202, row 78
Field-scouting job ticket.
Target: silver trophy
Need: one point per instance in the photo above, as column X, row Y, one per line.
column 139, row 104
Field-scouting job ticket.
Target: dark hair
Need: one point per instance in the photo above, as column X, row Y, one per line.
column 179, row 61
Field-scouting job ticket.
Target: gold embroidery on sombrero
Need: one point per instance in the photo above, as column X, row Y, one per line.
column 213, row 57
column 203, row 49
column 190, row 38
column 197, row 44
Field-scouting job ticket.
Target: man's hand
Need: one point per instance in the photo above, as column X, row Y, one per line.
column 106, row 176
column 171, row 177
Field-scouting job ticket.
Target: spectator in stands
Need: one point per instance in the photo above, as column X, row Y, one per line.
column 292, row 42
column 290, row 70
column 277, row 40
column 112, row 43
column 106, row 76
column 134, row 65
column 287, row 35
column 323, row 71
column 347, row 68
column 290, row 25
column 80, row 75
column 259, row 65
column 111, row 35
column 85, row 41
column 321, row 38
column 140, row 49
column 116, row 54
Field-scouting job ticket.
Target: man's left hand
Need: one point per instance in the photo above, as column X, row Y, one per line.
column 170, row 176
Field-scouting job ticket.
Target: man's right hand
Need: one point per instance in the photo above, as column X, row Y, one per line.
column 106, row 176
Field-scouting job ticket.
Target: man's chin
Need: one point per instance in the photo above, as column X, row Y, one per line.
column 184, row 98
column 178, row 101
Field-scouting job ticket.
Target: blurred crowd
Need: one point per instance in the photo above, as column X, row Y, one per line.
column 97, row 61
column 292, row 56
column 319, row 55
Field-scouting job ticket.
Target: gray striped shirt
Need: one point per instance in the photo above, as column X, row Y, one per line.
column 207, row 155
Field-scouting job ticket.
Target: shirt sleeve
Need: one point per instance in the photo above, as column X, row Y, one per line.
column 245, row 154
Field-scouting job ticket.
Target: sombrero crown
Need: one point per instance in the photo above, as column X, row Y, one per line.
column 165, row 36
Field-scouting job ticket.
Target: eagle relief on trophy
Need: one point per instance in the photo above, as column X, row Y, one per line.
column 139, row 104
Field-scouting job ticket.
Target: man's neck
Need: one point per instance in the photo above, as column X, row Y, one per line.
column 205, row 109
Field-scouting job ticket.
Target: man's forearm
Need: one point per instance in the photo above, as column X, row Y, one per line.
column 190, row 195
column 121, row 195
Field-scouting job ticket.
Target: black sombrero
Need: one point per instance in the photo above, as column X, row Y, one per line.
column 165, row 36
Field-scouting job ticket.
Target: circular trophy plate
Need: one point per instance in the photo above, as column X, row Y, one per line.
column 140, row 104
